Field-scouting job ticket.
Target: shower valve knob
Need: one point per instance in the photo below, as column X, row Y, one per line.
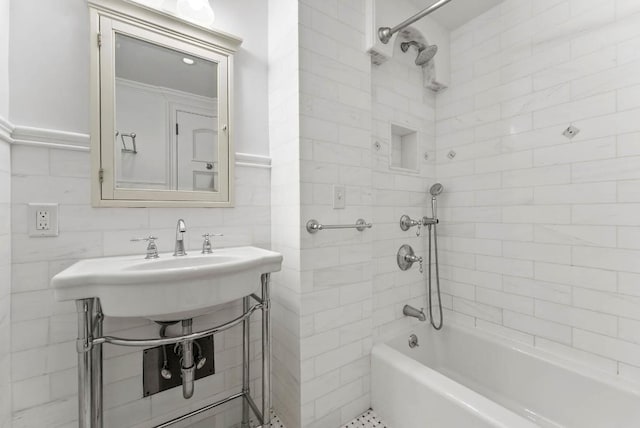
column 407, row 257
column 407, row 223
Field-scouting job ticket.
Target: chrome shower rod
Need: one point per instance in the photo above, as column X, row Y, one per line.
column 385, row 33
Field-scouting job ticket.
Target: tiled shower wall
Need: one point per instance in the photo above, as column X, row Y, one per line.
column 540, row 232
column 335, row 141
column 352, row 290
column 399, row 98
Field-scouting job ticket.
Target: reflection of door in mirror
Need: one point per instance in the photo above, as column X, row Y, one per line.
column 154, row 83
column 197, row 157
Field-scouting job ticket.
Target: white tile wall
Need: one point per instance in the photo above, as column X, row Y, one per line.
column 335, row 122
column 538, row 232
column 398, row 192
column 286, row 151
column 44, row 357
column 554, row 260
column 352, row 290
column 5, row 223
column 5, row 283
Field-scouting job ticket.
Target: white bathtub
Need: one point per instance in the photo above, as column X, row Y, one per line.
column 461, row 378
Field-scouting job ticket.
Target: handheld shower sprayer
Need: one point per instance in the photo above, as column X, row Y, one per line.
column 435, row 190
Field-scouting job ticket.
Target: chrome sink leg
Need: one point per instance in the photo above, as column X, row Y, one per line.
column 245, row 365
column 266, row 351
column 188, row 368
column 89, row 364
column 96, row 366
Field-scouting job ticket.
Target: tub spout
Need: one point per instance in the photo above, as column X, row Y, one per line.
column 410, row 311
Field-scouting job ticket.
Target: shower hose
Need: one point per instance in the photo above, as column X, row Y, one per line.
column 435, row 244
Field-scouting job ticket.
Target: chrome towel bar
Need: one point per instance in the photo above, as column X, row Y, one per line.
column 313, row 226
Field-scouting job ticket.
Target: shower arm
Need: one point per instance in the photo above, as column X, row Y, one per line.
column 385, row 33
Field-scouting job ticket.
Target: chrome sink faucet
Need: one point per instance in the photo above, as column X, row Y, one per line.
column 181, row 229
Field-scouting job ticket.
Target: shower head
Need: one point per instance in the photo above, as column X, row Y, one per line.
column 425, row 52
column 425, row 55
column 436, row 189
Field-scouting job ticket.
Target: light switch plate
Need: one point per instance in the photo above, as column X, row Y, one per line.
column 42, row 219
column 339, row 197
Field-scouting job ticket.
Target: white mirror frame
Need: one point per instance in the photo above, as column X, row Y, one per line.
column 168, row 30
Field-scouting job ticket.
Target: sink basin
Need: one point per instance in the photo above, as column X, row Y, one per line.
column 168, row 288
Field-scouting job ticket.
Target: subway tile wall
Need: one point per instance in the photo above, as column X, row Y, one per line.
column 284, row 145
column 400, row 98
column 43, row 331
column 5, row 282
column 352, row 290
column 335, row 148
column 539, row 231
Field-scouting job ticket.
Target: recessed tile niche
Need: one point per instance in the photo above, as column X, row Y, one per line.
column 404, row 148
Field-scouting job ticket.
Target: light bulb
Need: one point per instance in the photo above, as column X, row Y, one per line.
column 155, row 4
column 197, row 11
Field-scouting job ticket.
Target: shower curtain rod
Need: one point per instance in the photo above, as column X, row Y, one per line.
column 385, row 33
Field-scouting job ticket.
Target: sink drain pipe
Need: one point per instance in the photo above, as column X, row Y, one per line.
column 188, row 367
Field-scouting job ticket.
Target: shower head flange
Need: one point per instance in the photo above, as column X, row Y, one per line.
column 404, row 46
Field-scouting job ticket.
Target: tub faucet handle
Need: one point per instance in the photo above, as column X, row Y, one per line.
column 206, row 245
column 413, row 341
column 413, row 259
column 407, row 223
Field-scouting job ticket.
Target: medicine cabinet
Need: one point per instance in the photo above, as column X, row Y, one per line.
column 161, row 98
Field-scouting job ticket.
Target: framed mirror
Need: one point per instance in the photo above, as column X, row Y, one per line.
column 161, row 95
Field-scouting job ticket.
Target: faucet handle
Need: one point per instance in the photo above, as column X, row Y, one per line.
column 152, row 247
column 150, row 238
column 206, row 245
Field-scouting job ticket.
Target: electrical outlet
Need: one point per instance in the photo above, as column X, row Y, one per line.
column 43, row 219
column 339, row 197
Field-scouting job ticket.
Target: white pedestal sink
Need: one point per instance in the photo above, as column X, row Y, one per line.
column 167, row 288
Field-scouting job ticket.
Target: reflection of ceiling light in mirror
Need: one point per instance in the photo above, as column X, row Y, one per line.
column 188, row 61
column 197, row 11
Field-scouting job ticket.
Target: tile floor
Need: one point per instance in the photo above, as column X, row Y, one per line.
column 368, row 419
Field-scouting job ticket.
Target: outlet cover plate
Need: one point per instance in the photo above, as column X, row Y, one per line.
column 33, row 220
column 339, row 197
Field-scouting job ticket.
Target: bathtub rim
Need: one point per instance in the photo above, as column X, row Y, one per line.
column 573, row 365
column 450, row 390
